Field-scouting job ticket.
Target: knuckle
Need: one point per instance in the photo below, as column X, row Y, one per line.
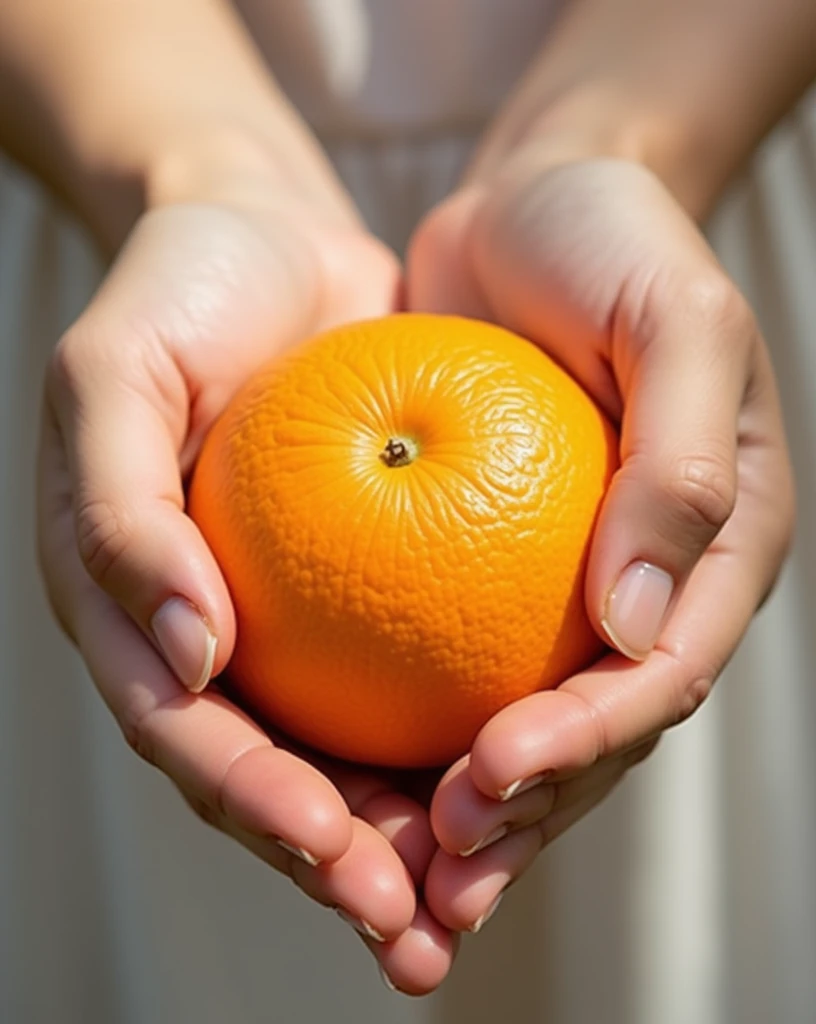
column 202, row 809
column 595, row 723
column 54, row 585
column 603, row 742
column 104, row 533
column 688, row 681
column 639, row 754
column 782, row 529
column 135, row 724
column 223, row 794
column 130, row 356
column 708, row 302
column 64, row 367
column 784, row 517
column 702, row 492
column 691, row 695
column 713, row 301
column 139, row 721
column 58, row 607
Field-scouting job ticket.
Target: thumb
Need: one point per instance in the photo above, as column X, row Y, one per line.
column 683, row 365
column 119, row 406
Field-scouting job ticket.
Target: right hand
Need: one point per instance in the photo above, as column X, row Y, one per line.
column 597, row 263
column 201, row 295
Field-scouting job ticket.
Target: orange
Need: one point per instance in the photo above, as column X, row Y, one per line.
column 402, row 510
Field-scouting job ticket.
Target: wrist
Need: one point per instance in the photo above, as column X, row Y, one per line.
column 143, row 102
column 205, row 163
column 238, row 166
column 601, row 122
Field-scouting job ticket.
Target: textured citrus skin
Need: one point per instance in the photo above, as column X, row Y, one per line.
column 385, row 612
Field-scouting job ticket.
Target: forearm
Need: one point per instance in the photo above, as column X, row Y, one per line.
column 120, row 105
column 689, row 87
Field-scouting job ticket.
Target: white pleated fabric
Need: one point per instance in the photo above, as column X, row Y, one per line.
column 688, row 898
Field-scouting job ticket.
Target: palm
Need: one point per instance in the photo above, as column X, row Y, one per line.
column 227, row 290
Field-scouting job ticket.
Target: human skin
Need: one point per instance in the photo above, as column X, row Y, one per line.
column 576, row 226
column 231, row 231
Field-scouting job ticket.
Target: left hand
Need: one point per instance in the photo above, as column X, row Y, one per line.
column 595, row 262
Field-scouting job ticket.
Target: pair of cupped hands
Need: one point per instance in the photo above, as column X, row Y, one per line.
column 592, row 260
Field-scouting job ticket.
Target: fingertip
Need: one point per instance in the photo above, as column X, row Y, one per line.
column 457, row 808
column 461, row 892
column 548, row 734
column 369, row 881
column 498, row 756
column 418, row 961
column 325, row 834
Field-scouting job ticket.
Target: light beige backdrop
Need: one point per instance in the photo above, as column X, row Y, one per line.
column 688, row 898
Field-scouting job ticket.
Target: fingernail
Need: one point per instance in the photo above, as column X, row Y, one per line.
column 359, row 925
column 389, row 984
column 494, row 837
column 186, row 642
column 521, row 786
column 480, row 922
column 298, row 851
column 636, row 607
